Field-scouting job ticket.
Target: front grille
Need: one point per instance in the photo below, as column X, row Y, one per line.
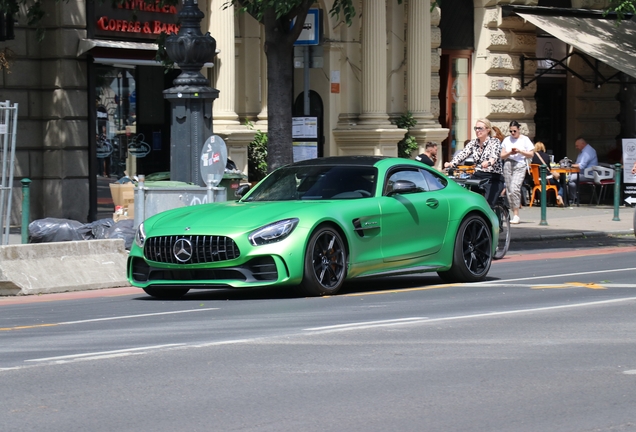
column 262, row 269
column 194, row 249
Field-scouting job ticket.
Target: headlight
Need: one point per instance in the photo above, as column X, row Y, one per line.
column 273, row 232
column 140, row 236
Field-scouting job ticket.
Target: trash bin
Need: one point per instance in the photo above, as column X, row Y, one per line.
column 157, row 196
column 231, row 183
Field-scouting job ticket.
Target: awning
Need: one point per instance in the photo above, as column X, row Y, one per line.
column 85, row 45
column 599, row 38
column 123, row 53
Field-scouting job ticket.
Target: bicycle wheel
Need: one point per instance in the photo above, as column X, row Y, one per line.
column 504, row 230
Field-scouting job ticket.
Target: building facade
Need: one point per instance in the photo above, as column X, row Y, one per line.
column 91, row 107
column 557, row 84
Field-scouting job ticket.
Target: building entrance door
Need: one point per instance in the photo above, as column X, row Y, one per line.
column 550, row 118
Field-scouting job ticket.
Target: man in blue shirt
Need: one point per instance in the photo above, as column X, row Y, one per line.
column 587, row 158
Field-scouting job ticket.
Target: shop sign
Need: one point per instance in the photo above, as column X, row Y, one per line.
column 138, row 147
column 629, row 183
column 134, row 19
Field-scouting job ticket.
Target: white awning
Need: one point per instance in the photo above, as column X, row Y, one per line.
column 86, row 45
column 598, row 38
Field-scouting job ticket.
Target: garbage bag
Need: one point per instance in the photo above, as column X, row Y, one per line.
column 55, row 230
column 124, row 229
column 97, row 230
column 230, row 165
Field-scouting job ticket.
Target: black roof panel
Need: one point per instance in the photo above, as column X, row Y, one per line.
column 341, row 160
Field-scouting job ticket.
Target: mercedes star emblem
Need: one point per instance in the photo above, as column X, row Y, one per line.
column 182, row 250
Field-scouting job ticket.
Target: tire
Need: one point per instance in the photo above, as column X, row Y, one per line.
column 472, row 255
column 166, row 293
column 504, row 231
column 324, row 264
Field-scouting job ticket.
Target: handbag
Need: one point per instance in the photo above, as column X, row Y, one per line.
column 555, row 175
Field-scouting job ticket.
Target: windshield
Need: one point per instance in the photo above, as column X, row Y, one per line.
column 315, row 183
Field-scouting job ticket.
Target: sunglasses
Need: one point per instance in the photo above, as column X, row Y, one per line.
column 513, row 131
column 477, row 128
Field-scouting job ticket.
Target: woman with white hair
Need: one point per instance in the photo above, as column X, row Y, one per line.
column 485, row 150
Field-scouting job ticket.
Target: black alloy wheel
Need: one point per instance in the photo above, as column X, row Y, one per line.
column 325, row 263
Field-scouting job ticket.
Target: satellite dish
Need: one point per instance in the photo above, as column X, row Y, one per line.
column 213, row 160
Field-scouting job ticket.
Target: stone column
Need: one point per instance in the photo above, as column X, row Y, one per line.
column 423, row 39
column 262, row 116
column 418, row 57
column 226, row 120
column 224, row 70
column 374, row 77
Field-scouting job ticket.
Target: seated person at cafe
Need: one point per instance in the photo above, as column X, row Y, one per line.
column 429, row 157
column 542, row 158
column 586, row 158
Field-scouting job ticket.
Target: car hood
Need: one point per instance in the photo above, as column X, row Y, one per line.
column 230, row 214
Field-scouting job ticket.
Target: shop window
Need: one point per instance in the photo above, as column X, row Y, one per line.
column 132, row 126
column 116, row 102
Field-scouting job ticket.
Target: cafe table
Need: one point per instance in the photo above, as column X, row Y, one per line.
column 564, row 171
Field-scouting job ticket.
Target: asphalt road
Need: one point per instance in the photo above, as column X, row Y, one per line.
column 546, row 344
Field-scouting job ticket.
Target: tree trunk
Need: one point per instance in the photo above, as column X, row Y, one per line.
column 279, row 49
column 280, row 57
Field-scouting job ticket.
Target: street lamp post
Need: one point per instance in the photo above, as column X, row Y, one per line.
column 191, row 97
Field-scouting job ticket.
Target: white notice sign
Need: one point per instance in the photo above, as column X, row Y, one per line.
column 305, row 127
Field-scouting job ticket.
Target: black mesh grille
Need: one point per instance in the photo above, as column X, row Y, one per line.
column 190, row 249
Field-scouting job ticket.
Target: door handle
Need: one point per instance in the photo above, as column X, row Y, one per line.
column 432, row 203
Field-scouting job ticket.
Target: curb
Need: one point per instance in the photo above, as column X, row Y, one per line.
column 569, row 235
column 43, row 268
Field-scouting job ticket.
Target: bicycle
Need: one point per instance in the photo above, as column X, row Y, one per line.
column 501, row 209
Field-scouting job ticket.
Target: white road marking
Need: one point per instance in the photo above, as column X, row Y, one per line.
column 105, row 353
column 364, row 324
column 555, row 276
column 316, row 330
column 375, row 324
column 135, row 316
column 218, row 343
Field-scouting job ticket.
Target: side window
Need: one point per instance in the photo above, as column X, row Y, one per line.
column 435, row 181
column 413, row 175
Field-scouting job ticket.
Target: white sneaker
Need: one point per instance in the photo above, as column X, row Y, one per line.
column 515, row 220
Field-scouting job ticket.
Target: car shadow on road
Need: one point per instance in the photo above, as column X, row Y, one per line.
column 226, row 294
column 356, row 286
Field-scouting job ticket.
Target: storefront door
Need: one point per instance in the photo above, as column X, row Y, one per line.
column 132, row 127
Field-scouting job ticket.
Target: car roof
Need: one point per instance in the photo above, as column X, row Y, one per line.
column 341, row 160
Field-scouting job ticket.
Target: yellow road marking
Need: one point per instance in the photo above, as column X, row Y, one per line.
column 398, row 290
column 588, row 285
column 27, row 327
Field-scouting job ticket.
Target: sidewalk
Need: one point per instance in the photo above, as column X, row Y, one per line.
column 569, row 222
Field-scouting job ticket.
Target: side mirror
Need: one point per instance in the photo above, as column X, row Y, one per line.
column 242, row 190
column 402, row 187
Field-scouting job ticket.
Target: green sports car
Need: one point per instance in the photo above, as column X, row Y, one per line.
column 316, row 223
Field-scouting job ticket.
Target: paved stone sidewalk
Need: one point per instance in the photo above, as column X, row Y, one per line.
column 583, row 221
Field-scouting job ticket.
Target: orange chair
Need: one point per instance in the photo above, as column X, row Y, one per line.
column 536, row 178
